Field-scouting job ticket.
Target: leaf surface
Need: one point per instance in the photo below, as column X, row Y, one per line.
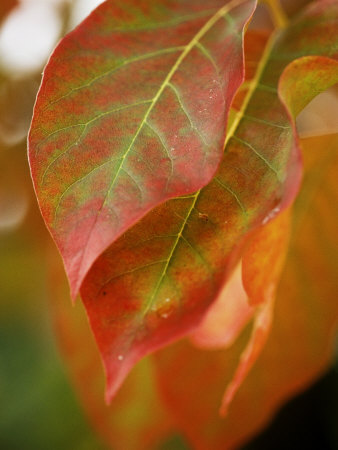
column 155, row 283
column 301, row 343
column 132, row 111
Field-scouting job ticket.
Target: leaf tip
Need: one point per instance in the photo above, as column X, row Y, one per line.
column 116, row 368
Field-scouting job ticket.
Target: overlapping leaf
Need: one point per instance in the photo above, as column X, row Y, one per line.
column 132, row 111
column 156, row 282
column 301, row 342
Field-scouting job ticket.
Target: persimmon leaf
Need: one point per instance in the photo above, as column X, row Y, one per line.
column 301, row 343
column 132, row 111
column 155, row 283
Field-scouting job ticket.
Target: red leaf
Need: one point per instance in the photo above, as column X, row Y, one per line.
column 156, row 282
column 132, row 111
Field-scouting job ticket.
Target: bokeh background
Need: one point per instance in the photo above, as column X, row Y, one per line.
column 39, row 407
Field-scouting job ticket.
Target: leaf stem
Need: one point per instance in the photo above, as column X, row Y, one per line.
column 252, row 87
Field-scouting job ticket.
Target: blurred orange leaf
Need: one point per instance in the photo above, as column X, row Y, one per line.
column 300, row 345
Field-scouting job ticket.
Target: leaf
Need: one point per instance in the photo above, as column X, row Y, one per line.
column 262, row 263
column 307, row 76
column 301, row 343
column 263, row 259
column 156, row 282
column 132, row 111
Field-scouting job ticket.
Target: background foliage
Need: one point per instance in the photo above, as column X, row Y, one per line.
column 41, row 409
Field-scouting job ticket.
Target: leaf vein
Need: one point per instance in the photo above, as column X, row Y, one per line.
column 266, row 122
column 233, row 193
column 135, row 183
column 168, row 260
column 127, row 272
column 256, row 152
column 192, row 125
column 78, row 181
column 198, row 253
column 116, row 68
column 98, row 116
column 166, row 150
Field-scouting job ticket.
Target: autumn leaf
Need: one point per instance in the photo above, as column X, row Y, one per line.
column 132, row 111
column 301, row 343
column 155, row 283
